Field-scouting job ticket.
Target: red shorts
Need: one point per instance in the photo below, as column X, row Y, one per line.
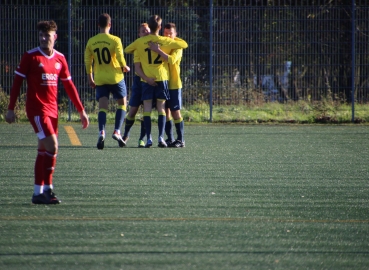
column 44, row 126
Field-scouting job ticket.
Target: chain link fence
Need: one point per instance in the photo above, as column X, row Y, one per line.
column 240, row 52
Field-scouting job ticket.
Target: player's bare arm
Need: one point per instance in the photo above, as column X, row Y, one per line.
column 139, row 71
column 84, row 119
column 156, row 48
column 126, row 69
column 91, row 81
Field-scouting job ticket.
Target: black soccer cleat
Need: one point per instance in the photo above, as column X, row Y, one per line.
column 169, row 141
column 119, row 139
column 177, row 144
column 148, row 143
column 51, row 196
column 43, row 199
column 162, row 143
column 100, row 142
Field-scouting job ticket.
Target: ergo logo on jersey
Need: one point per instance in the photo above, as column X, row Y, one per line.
column 49, row 77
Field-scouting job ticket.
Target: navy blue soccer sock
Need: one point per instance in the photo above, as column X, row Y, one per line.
column 101, row 118
column 120, row 114
column 143, row 131
column 147, row 123
column 180, row 129
column 128, row 125
column 161, row 125
column 169, row 129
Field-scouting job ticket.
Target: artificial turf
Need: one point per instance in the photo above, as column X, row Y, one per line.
column 236, row 197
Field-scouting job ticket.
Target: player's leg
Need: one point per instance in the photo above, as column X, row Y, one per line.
column 162, row 95
column 130, row 120
column 168, row 124
column 46, row 129
column 175, row 104
column 120, row 95
column 147, row 121
column 147, row 97
column 141, row 142
column 134, row 104
column 160, row 105
column 102, row 96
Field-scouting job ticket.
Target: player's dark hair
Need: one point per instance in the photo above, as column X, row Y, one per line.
column 154, row 23
column 170, row 26
column 104, row 20
column 47, row 26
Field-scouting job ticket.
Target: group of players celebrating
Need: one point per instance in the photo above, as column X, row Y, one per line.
column 156, row 80
column 157, row 69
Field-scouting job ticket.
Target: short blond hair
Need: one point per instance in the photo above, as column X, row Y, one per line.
column 142, row 25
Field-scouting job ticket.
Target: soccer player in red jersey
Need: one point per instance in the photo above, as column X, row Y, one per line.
column 42, row 67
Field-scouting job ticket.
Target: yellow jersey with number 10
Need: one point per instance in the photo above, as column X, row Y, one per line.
column 104, row 52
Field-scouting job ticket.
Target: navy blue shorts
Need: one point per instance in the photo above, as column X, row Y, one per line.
column 118, row 90
column 160, row 91
column 136, row 92
column 175, row 101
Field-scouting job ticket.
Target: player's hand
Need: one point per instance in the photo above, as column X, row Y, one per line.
column 126, row 69
column 151, row 81
column 10, row 116
column 91, row 82
column 154, row 46
column 84, row 119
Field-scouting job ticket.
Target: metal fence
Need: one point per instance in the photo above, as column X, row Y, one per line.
column 240, row 52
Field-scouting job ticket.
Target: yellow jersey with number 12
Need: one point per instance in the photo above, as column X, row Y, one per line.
column 152, row 64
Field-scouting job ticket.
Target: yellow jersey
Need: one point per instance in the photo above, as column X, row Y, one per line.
column 174, row 60
column 104, row 52
column 152, row 64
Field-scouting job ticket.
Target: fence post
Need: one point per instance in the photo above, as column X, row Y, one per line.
column 69, row 52
column 211, row 61
column 353, row 30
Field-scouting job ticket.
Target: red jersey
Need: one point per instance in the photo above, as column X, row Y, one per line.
column 42, row 73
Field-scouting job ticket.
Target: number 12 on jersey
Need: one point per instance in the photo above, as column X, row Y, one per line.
column 149, row 58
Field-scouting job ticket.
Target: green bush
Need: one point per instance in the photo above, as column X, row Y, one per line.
column 19, row 109
column 309, row 112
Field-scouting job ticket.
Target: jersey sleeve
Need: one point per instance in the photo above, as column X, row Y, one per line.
column 14, row 92
column 136, row 57
column 178, row 44
column 175, row 56
column 24, row 65
column 20, row 74
column 88, row 59
column 64, row 72
column 130, row 48
column 69, row 86
column 71, row 90
column 119, row 54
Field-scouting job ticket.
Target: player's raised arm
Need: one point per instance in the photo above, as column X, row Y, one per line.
column 130, row 48
column 172, row 58
column 178, row 44
column 119, row 53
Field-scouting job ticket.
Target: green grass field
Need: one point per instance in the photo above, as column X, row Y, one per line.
column 237, row 197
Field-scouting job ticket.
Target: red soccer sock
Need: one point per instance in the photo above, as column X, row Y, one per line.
column 49, row 167
column 39, row 168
